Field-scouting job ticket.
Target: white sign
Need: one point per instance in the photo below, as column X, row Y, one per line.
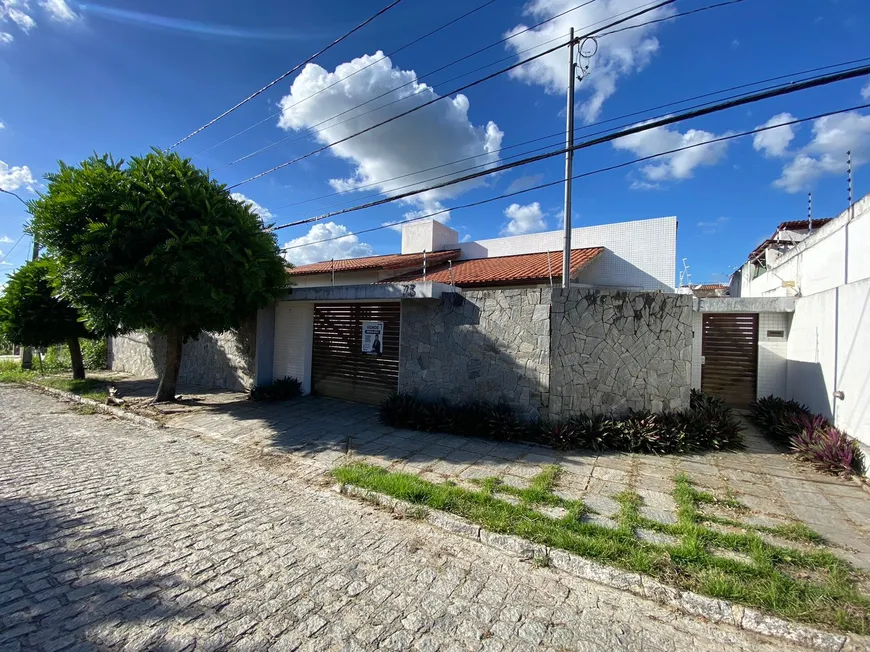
column 372, row 337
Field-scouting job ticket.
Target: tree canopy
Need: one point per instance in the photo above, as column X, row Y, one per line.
column 31, row 313
column 156, row 245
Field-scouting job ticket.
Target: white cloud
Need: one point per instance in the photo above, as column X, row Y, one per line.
column 774, row 142
column 346, row 247
column 15, row 11
column 257, row 209
column 59, row 10
column 431, row 137
column 15, row 177
column 865, row 91
column 825, row 154
column 5, row 239
column 680, row 165
column 618, row 55
column 6, row 38
column 712, row 226
column 526, row 218
column 2, row 125
column 524, row 182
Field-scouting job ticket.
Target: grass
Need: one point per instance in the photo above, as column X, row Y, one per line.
column 811, row 586
column 11, row 372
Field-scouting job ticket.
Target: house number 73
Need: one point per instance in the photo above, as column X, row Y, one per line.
column 408, row 290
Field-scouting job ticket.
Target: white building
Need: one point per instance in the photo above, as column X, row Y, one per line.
column 819, row 354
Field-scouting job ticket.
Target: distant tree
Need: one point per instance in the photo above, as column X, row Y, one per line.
column 156, row 246
column 31, row 313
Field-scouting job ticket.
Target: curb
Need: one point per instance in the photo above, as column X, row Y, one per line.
column 99, row 407
column 693, row 604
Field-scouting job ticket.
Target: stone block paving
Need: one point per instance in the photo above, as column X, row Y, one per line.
column 116, row 537
column 776, row 488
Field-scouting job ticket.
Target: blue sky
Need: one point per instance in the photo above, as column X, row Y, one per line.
column 121, row 76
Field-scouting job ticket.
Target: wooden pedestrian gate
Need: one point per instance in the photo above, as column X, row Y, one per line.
column 729, row 347
column 339, row 368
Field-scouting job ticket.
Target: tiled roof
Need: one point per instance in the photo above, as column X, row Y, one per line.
column 390, row 261
column 800, row 225
column 711, row 286
column 503, row 269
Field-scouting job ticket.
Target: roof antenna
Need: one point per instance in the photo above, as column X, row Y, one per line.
column 810, row 211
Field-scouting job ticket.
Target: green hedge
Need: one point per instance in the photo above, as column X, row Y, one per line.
column 708, row 424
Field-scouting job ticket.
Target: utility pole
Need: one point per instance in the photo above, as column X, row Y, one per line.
column 26, row 351
column 569, row 164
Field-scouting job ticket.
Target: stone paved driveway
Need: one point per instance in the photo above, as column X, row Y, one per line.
column 117, row 537
column 772, row 485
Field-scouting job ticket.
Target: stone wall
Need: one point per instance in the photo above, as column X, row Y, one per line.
column 213, row 360
column 486, row 345
column 611, row 351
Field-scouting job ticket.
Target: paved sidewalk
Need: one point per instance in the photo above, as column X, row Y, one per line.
column 329, row 432
column 117, row 537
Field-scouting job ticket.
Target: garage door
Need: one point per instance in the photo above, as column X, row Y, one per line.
column 730, row 351
column 339, row 367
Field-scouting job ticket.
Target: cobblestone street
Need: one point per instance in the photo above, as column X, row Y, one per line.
column 114, row 536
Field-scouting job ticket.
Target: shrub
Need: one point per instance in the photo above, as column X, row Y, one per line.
column 280, row 390
column 56, row 358
column 776, row 418
column 707, row 425
column 95, row 354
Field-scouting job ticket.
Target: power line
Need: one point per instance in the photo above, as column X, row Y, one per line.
column 584, row 174
column 8, row 253
column 559, row 134
column 292, row 138
column 285, row 75
column 785, row 89
column 338, row 81
column 462, row 88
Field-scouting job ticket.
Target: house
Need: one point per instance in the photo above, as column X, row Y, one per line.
column 484, row 320
column 705, row 290
column 797, row 322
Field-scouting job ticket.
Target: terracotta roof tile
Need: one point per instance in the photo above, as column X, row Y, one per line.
column 390, row 261
column 503, row 269
column 798, row 225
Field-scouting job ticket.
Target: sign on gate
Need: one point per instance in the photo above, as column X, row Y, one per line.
column 372, row 337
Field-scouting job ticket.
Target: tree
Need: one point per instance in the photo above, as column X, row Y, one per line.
column 157, row 246
column 31, row 313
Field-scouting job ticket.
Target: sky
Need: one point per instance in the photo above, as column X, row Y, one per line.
column 120, row 76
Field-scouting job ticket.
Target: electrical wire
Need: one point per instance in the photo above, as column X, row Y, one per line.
column 462, row 88
column 582, row 175
column 292, row 138
column 8, row 253
column 285, row 75
column 560, row 135
column 338, row 81
column 784, row 89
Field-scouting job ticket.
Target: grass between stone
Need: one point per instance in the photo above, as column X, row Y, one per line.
column 811, row 586
column 11, row 372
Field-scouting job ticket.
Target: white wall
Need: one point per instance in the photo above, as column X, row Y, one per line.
column 641, row 254
column 810, row 369
column 428, row 235
column 853, row 355
column 341, row 278
column 772, row 353
column 819, row 262
column 294, row 331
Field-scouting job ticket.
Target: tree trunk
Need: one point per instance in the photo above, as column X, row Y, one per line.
column 169, row 380
column 75, row 355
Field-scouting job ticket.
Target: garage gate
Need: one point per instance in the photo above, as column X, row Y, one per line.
column 729, row 349
column 339, row 368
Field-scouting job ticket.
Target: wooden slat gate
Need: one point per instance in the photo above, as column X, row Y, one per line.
column 339, row 367
column 729, row 346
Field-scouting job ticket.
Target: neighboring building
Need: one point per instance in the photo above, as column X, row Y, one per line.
column 802, row 301
column 705, row 290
